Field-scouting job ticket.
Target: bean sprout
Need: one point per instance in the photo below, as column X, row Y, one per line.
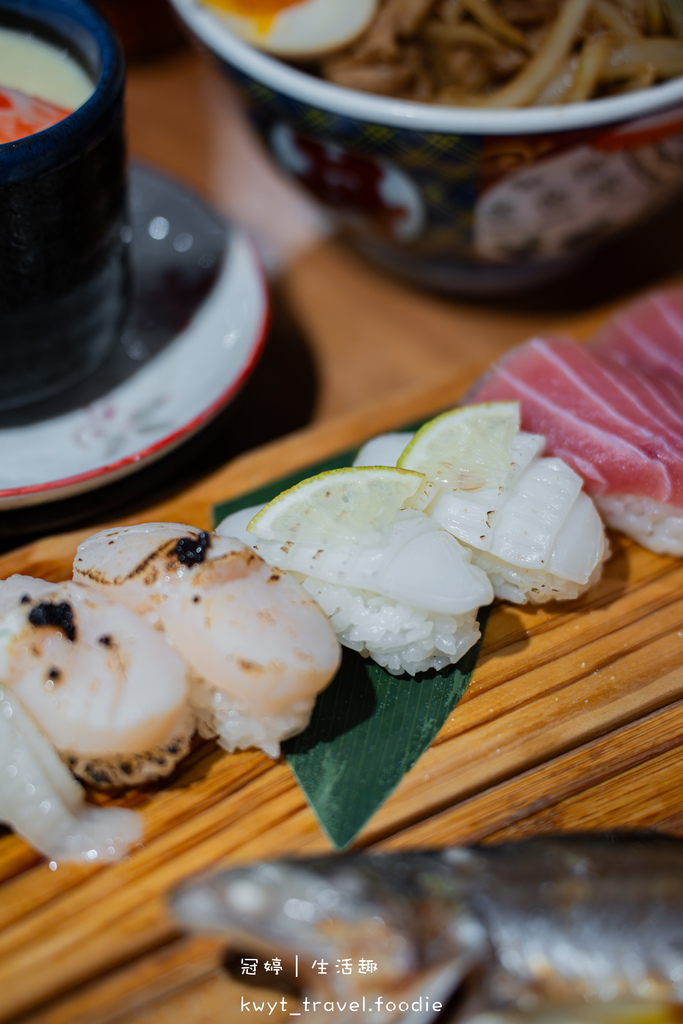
column 513, row 53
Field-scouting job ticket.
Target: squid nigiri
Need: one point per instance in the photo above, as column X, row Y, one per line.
column 396, row 587
column 524, row 517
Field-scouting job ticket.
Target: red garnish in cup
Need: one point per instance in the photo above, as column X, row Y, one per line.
column 22, row 115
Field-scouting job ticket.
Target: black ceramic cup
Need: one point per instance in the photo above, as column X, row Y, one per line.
column 63, row 277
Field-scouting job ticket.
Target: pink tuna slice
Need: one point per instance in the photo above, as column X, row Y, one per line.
column 621, row 430
column 647, row 335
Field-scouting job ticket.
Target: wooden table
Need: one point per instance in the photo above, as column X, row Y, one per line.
column 574, row 716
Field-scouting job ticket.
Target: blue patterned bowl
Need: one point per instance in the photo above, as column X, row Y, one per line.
column 462, row 200
column 62, row 211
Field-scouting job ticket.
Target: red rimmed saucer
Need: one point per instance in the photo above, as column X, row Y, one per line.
column 197, row 326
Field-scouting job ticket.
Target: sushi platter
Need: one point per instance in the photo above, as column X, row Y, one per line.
column 573, row 720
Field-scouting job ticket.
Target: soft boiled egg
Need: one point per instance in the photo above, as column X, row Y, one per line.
column 297, row 28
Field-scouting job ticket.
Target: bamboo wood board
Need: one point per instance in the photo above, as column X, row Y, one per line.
column 573, row 720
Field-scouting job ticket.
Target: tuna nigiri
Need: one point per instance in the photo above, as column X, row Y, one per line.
column 647, row 335
column 620, row 429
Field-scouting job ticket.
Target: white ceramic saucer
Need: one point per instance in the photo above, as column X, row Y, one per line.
column 197, row 324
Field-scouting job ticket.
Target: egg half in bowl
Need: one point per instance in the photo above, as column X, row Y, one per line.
column 296, row 28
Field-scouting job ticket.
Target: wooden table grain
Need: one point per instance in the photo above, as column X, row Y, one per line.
column 574, row 716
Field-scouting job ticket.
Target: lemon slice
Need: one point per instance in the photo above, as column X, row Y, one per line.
column 466, row 449
column 336, row 506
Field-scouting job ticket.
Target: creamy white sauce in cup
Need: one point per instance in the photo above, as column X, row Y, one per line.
column 37, row 68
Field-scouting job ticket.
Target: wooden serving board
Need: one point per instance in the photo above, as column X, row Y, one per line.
column 573, row 720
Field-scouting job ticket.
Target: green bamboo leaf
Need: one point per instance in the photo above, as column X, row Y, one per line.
column 368, row 727
column 367, row 730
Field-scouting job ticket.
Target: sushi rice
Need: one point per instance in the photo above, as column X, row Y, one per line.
column 399, row 637
column 656, row 525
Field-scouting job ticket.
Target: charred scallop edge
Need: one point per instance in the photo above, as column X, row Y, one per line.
column 132, row 769
column 192, row 552
column 99, row 577
column 61, row 616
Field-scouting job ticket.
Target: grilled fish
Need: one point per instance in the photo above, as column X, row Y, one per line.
column 554, row 931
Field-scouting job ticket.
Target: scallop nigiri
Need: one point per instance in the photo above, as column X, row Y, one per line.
column 105, row 687
column 259, row 648
column 40, row 799
column 396, row 587
column 524, row 517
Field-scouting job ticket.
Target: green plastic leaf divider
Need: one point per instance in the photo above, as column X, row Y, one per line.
column 368, row 727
